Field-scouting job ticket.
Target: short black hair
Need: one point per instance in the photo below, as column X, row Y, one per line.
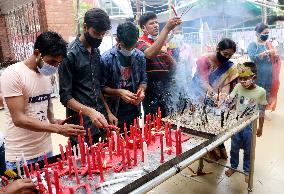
column 146, row 17
column 127, row 33
column 51, row 43
column 252, row 66
column 260, row 27
column 227, row 43
column 98, row 19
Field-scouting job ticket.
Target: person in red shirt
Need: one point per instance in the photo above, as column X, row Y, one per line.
column 159, row 64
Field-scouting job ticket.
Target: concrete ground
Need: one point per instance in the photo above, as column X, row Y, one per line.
column 269, row 164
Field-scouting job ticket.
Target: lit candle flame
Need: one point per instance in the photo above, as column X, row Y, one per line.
column 100, row 139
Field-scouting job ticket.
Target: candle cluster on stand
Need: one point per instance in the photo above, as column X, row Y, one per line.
column 120, row 152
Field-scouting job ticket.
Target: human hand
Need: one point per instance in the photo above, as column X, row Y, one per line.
column 20, row 186
column 68, row 130
column 259, row 132
column 127, row 96
column 112, row 119
column 97, row 118
column 140, row 95
column 172, row 23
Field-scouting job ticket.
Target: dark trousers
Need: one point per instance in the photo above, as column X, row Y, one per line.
column 2, row 160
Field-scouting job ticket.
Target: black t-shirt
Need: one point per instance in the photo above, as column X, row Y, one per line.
column 126, row 111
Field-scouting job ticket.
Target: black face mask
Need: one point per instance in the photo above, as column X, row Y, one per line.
column 94, row 42
column 221, row 58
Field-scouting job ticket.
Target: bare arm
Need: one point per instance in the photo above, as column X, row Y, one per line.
column 97, row 118
column 156, row 47
column 17, row 110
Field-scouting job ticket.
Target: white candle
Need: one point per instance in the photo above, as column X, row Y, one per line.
column 145, row 151
column 142, row 124
column 78, row 148
column 111, row 182
column 164, row 143
column 115, row 139
column 74, row 151
column 125, row 174
column 24, row 159
column 18, row 167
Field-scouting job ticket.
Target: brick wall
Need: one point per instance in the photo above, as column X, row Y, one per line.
column 56, row 15
column 60, row 17
column 4, row 41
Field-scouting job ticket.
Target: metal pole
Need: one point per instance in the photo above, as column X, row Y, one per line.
column 252, row 155
column 176, row 169
column 78, row 16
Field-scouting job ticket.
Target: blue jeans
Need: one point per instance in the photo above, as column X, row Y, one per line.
column 241, row 138
column 12, row 165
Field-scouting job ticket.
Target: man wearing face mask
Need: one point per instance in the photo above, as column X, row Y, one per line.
column 26, row 88
column 160, row 64
column 125, row 76
column 80, row 75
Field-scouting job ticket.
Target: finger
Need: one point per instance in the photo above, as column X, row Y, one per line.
column 103, row 121
column 29, row 185
column 116, row 122
column 27, row 191
column 76, row 126
column 97, row 124
column 79, row 132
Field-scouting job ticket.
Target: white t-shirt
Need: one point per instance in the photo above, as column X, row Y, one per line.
column 19, row 80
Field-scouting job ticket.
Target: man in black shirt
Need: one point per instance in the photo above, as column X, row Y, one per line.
column 125, row 76
column 80, row 74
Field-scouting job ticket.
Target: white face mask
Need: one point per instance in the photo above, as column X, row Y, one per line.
column 125, row 52
column 46, row 69
column 152, row 37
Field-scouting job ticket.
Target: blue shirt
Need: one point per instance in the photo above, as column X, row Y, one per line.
column 112, row 73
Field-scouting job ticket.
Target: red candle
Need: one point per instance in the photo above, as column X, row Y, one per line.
column 82, row 150
column 110, row 148
column 89, row 164
column 180, row 147
column 36, row 166
column 32, row 168
column 100, row 163
column 162, row 149
column 70, row 148
column 26, row 170
column 135, row 123
column 56, row 182
column 60, row 165
column 131, row 132
column 45, row 160
column 128, row 158
column 135, row 151
column 90, row 137
column 76, row 170
column 38, row 177
column 47, row 177
column 71, row 190
column 93, row 156
column 70, row 167
column 125, row 131
column 118, row 143
column 81, row 118
column 67, row 152
column 123, row 157
column 62, row 152
column 170, row 136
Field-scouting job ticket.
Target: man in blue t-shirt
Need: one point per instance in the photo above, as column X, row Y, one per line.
column 124, row 79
